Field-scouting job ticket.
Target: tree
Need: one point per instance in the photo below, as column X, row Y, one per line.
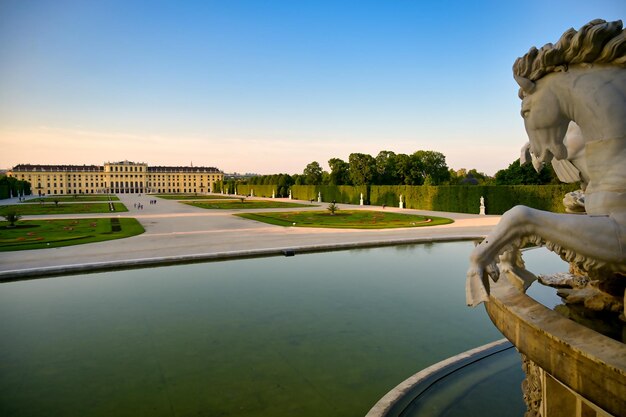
column 313, row 173
column 326, row 178
column 339, row 172
column 298, row 179
column 472, row 177
column 362, row 168
column 332, row 207
column 480, row 176
column 517, row 174
column 430, row 164
column 284, row 182
column 386, row 173
column 11, row 216
column 12, row 186
column 403, row 169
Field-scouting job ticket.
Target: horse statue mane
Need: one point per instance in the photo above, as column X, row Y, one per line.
column 597, row 42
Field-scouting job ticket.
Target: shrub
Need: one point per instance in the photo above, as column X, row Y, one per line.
column 12, row 216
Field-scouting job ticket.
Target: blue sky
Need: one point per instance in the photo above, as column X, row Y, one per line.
column 269, row 86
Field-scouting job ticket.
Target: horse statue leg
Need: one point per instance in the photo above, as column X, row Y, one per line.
column 589, row 241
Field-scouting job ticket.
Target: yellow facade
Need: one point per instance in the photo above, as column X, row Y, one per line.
column 116, row 177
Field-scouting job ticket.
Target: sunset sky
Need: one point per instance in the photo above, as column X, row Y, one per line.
column 269, row 86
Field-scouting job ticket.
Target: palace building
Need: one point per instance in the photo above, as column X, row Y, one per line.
column 116, row 177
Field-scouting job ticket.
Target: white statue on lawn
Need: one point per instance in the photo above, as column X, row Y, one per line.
column 581, row 79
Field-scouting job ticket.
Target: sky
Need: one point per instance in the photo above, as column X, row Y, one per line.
column 269, row 86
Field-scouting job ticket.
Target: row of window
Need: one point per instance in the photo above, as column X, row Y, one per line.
column 125, row 168
column 91, row 177
column 124, row 191
column 69, row 184
column 102, row 177
column 117, row 183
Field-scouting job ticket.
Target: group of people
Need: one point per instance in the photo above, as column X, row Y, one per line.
column 139, row 206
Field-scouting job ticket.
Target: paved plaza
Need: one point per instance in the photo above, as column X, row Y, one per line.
column 178, row 232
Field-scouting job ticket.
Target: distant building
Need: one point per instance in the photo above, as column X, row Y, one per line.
column 238, row 176
column 116, row 177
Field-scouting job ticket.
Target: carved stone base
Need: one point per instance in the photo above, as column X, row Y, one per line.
column 546, row 397
column 572, row 371
column 531, row 387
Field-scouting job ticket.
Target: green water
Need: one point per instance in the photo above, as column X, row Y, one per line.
column 480, row 389
column 312, row 335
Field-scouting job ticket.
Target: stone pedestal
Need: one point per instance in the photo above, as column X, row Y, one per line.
column 571, row 370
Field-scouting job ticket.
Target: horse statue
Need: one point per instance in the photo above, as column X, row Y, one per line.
column 574, row 109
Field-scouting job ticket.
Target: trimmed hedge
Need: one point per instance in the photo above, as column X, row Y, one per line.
column 259, row 190
column 466, row 199
column 10, row 185
column 451, row 198
column 347, row 194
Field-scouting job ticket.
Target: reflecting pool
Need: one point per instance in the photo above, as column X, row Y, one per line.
column 323, row 334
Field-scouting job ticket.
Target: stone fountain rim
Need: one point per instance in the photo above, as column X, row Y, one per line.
column 585, row 361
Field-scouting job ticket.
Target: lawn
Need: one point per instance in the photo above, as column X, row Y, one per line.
column 63, row 208
column 73, row 198
column 245, row 205
column 348, row 219
column 41, row 234
column 197, row 197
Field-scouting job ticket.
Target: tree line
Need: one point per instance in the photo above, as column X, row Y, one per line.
column 387, row 168
column 10, row 186
column 423, row 167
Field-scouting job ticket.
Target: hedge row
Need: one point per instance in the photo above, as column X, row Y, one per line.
column 466, row 199
column 14, row 189
column 4, row 191
column 259, row 190
column 452, row 198
column 347, row 194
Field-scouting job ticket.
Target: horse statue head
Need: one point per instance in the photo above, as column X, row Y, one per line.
column 552, row 94
column 574, row 108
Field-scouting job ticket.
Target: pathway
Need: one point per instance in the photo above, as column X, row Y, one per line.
column 175, row 230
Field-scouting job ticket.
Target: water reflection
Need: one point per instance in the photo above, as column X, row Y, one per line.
column 602, row 322
column 310, row 335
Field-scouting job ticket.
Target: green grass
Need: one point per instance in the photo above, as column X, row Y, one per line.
column 41, row 234
column 346, row 219
column 246, row 205
column 72, row 198
column 196, row 197
column 63, row 208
